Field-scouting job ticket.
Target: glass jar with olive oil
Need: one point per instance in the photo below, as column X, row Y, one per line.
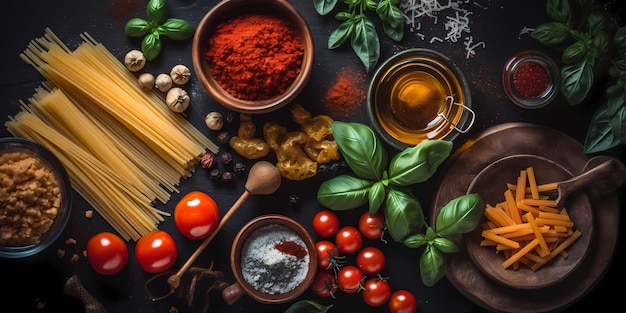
column 418, row 95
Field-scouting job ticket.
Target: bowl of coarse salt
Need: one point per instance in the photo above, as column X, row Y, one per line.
column 273, row 260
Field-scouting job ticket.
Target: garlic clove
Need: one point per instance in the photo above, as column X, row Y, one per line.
column 214, row 120
column 146, row 81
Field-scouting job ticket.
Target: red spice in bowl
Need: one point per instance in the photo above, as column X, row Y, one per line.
column 530, row 79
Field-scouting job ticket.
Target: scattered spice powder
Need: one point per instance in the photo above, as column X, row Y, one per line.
column 274, row 259
column 530, row 79
column 255, row 56
column 346, row 93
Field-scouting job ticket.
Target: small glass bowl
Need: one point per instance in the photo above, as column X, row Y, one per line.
column 35, row 150
column 542, row 98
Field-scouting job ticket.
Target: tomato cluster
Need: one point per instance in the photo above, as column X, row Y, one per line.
column 364, row 276
column 196, row 216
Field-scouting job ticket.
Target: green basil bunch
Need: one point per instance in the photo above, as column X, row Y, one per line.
column 387, row 187
column 158, row 25
column 308, row 306
column 357, row 27
column 588, row 45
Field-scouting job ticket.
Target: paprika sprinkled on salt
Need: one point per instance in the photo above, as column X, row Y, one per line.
column 255, row 56
column 530, row 79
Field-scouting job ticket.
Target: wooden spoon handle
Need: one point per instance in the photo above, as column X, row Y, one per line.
column 174, row 280
column 598, row 172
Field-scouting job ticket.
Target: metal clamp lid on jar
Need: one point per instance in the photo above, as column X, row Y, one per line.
column 450, row 102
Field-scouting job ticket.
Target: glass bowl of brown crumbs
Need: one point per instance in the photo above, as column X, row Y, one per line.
column 35, row 197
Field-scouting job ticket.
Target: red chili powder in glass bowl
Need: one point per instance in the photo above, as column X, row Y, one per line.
column 530, row 79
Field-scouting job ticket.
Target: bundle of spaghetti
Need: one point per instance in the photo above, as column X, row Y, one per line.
column 123, row 206
column 95, row 109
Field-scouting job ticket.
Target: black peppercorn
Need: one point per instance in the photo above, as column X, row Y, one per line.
column 223, row 137
column 215, row 174
column 227, row 177
column 239, row 168
column 226, row 158
column 230, row 118
column 294, row 200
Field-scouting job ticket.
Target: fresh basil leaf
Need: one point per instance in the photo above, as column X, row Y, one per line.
column 177, row 29
column 137, row 27
column 365, row 42
column 576, row 81
column 432, row 266
column 341, row 34
column 308, row 306
column 323, row 7
column 616, row 98
column 415, row 240
column 390, row 13
column 618, row 121
column 551, row 33
column 361, row 149
column 376, row 195
column 445, row 245
column 372, row 5
column 596, row 22
column 403, row 213
column 157, row 10
column 460, row 215
column 575, row 52
column 418, row 163
column 343, row 192
column 601, row 43
column 600, row 135
column 559, row 10
column 343, row 16
column 151, row 46
column 619, row 40
column 395, row 33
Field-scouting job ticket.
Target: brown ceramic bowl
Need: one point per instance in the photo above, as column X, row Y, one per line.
column 490, row 184
column 266, row 243
column 227, row 9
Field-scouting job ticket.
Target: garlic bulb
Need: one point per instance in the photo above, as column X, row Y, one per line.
column 163, row 82
column 214, row 120
column 146, row 81
column 180, row 74
column 177, row 99
column 134, row 60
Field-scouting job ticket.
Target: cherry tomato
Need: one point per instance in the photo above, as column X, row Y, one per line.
column 327, row 254
column 196, row 215
column 370, row 260
column 326, row 223
column 373, row 226
column 348, row 239
column 377, row 291
column 156, row 251
column 324, row 284
column 402, row 301
column 107, row 253
column 349, row 279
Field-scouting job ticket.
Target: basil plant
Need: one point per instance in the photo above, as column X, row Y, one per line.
column 383, row 183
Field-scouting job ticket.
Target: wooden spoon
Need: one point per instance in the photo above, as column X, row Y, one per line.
column 603, row 173
column 263, row 179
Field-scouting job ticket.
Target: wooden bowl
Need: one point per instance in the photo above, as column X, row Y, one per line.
column 261, row 244
column 227, row 9
column 490, row 184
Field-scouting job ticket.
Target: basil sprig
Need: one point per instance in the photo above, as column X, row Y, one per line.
column 590, row 44
column 360, row 30
column 384, row 184
column 158, row 25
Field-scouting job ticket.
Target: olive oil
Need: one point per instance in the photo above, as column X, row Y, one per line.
column 418, row 97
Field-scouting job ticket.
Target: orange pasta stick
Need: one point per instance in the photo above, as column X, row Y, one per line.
column 512, row 207
column 515, row 257
column 542, row 242
column 532, row 182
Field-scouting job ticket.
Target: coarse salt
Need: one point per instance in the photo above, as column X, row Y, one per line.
column 268, row 269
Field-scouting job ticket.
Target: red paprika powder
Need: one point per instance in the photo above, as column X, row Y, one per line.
column 530, row 79
column 255, row 56
column 346, row 93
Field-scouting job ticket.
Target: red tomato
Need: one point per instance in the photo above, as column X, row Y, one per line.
column 372, row 227
column 156, row 251
column 324, row 284
column 327, row 254
column 402, row 301
column 196, row 215
column 326, row 223
column 370, row 260
column 348, row 239
column 107, row 253
column 349, row 279
column 377, row 291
